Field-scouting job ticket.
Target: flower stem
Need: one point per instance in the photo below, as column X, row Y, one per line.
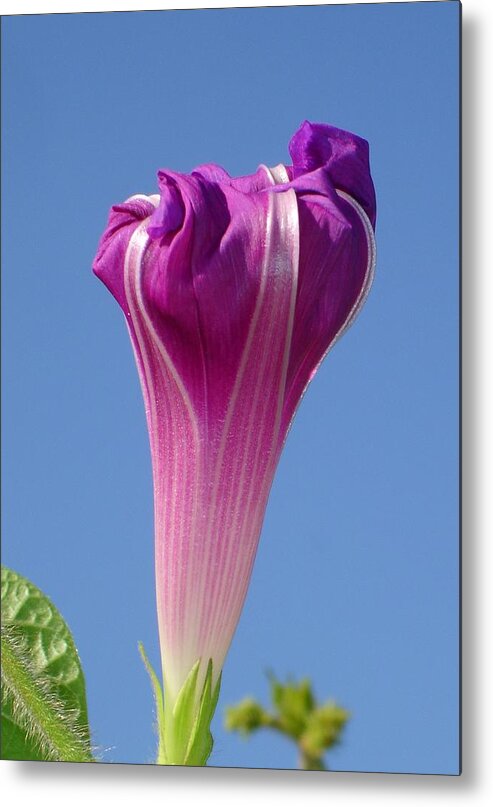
column 307, row 762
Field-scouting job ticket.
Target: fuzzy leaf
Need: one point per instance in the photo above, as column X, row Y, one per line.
column 44, row 710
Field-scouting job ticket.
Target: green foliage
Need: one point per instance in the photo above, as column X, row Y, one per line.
column 184, row 727
column 296, row 714
column 44, row 710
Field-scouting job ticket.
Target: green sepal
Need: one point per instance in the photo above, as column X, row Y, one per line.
column 158, row 697
column 201, row 742
column 179, row 723
column 184, row 727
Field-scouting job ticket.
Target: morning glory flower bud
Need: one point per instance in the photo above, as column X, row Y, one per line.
column 233, row 290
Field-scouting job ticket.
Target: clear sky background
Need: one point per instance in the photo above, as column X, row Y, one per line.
column 356, row 578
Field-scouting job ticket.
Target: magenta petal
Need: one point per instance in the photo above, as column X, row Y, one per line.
column 344, row 155
column 213, row 455
column 122, row 221
column 234, row 289
column 169, row 214
column 337, row 257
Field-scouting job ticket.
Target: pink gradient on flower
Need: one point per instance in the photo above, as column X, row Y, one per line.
column 233, row 292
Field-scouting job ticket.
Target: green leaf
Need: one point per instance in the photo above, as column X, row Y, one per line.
column 44, row 709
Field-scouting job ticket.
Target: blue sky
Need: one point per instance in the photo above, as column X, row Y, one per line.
column 356, row 578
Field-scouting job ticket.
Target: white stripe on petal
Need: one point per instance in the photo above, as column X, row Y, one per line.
column 365, row 290
column 241, row 514
column 370, row 271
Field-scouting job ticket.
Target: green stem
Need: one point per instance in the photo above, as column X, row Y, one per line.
column 311, row 763
column 307, row 761
column 39, row 708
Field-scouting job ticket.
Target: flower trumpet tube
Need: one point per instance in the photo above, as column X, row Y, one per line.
column 233, row 290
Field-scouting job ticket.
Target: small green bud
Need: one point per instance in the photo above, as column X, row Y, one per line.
column 294, row 703
column 245, row 717
column 296, row 714
column 323, row 728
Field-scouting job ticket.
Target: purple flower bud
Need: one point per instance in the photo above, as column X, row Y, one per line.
column 233, row 290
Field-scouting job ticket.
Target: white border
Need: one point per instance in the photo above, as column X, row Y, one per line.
column 64, row 6
column 50, row 785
